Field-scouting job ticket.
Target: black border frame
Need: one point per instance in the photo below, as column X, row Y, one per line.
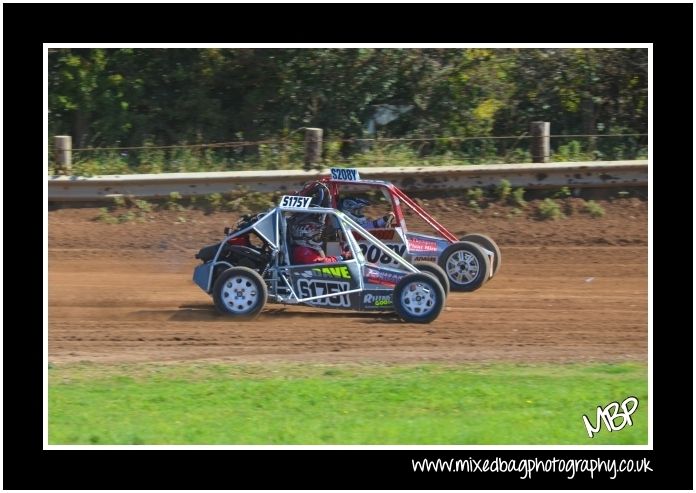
column 369, row 23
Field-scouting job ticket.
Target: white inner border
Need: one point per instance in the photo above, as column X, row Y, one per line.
column 649, row 46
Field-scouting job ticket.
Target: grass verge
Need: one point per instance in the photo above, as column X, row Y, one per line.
column 341, row 404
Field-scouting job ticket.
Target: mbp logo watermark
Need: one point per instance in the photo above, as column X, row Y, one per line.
column 609, row 415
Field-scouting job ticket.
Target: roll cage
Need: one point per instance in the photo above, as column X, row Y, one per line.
column 395, row 195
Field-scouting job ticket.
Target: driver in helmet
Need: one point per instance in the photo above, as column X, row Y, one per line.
column 307, row 244
column 353, row 207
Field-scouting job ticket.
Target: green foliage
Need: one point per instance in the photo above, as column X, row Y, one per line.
column 475, row 197
column 518, row 155
column 571, row 152
column 245, row 202
column 276, row 156
column 152, row 97
column 106, row 217
column 214, row 202
column 392, row 155
column 332, row 151
column 517, row 198
column 503, row 190
column 474, row 194
column 563, row 193
column 428, row 404
column 594, row 209
column 126, row 217
column 173, row 204
column 549, row 209
column 86, row 163
column 240, row 200
column 125, row 209
column 143, row 205
column 151, row 160
column 183, row 160
column 258, row 201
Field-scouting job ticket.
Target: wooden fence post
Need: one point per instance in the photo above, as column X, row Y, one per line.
column 540, row 142
column 313, row 139
column 62, row 145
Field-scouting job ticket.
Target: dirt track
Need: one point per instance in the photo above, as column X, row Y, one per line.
column 123, row 293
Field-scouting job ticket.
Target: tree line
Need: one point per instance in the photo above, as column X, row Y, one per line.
column 131, row 97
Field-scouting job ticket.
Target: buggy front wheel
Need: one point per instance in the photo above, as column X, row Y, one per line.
column 240, row 292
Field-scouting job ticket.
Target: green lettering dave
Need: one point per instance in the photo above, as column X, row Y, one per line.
column 340, row 272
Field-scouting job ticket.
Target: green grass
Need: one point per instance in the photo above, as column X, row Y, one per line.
column 340, row 404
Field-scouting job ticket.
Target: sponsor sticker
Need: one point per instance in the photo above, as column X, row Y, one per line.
column 377, row 299
column 425, row 259
column 419, row 245
column 334, row 272
column 384, row 278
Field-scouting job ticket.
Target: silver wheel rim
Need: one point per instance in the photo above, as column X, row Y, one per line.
column 462, row 267
column 418, row 298
column 239, row 294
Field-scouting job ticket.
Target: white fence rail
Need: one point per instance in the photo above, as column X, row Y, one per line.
column 594, row 174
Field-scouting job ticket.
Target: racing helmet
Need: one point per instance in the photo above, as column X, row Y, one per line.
column 308, row 233
column 321, row 197
column 353, row 206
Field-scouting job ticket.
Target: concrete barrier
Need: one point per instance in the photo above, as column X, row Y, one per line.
column 594, row 174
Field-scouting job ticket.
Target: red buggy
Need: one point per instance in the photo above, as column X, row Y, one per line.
column 469, row 261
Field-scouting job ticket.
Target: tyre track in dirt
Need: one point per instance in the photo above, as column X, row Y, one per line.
column 547, row 304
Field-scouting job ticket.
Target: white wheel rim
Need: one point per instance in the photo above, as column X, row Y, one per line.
column 418, row 298
column 462, row 267
column 239, row 294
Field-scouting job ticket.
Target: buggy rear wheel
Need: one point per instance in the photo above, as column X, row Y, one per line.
column 487, row 243
column 435, row 270
column 466, row 265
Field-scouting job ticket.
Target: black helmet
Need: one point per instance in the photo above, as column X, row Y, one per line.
column 321, row 197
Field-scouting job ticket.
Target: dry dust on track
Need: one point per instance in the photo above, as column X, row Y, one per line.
column 123, row 293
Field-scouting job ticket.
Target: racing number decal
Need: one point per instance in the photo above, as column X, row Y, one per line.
column 375, row 255
column 349, row 174
column 309, row 288
column 295, row 201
